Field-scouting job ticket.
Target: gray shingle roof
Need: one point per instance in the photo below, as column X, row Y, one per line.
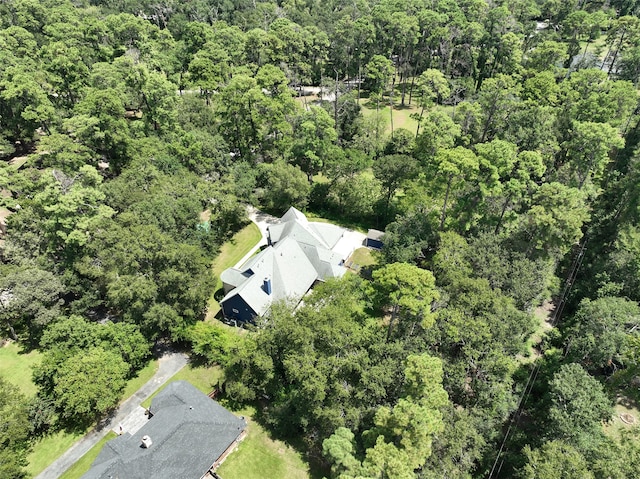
column 294, row 224
column 300, row 254
column 189, row 432
column 290, row 271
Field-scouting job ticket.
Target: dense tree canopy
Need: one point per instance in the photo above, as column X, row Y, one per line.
column 495, row 143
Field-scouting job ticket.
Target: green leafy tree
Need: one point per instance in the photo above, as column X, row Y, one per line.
column 411, row 235
column 285, row 185
column 589, row 96
column 339, row 449
column 147, row 276
column 356, row 197
column 403, row 433
column 554, row 222
column 253, row 122
column 547, row 55
column 622, row 35
column 127, row 340
column 29, row 300
column 579, row 404
column 587, row 151
column 520, row 183
column 314, row 141
column 434, row 88
column 99, row 123
column 454, row 167
column 623, row 263
column 70, row 208
column 24, row 102
column 439, row 132
column 391, row 171
column 601, row 327
column 555, row 460
column 379, row 72
column 457, row 448
column 408, row 290
column 209, row 69
column 213, row 343
column 14, row 433
column 498, row 97
column 71, row 335
column 89, row 384
column 320, row 368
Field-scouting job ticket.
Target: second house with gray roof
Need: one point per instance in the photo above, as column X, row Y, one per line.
column 299, row 254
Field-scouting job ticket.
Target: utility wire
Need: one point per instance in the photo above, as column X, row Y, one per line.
column 533, row 375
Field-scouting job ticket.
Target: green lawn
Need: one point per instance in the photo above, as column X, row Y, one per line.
column 345, row 223
column 364, row 257
column 625, row 408
column 401, row 114
column 623, row 384
column 48, row 449
column 79, row 468
column 259, row 456
column 16, row 365
column 230, row 253
column 144, row 375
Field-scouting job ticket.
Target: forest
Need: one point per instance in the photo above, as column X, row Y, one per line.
column 495, row 142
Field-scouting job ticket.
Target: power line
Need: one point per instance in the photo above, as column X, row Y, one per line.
column 533, row 375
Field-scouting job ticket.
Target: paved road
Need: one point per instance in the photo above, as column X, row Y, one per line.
column 169, row 364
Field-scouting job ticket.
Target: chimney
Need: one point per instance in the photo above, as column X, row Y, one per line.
column 146, row 442
column 266, row 285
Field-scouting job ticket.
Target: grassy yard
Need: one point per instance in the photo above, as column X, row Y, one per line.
column 401, row 115
column 260, row 456
column 16, row 365
column 624, row 384
column 84, row 464
column 230, row 253
column 48, row 448
column 364, row 257
column 144, row 375
column 315, row 217
column 627, row 409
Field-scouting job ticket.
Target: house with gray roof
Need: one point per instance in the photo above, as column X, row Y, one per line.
column 299, row 253
column 186, row 437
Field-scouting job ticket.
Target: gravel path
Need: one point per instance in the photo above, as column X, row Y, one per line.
column 168, row 364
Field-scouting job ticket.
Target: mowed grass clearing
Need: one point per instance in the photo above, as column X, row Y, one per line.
column 401, row 115
column 259, row 456
column 144, row 375
column 625, row 416
column 16, row 367
column 230, row 253
column 364, row 257
column 48, row 448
